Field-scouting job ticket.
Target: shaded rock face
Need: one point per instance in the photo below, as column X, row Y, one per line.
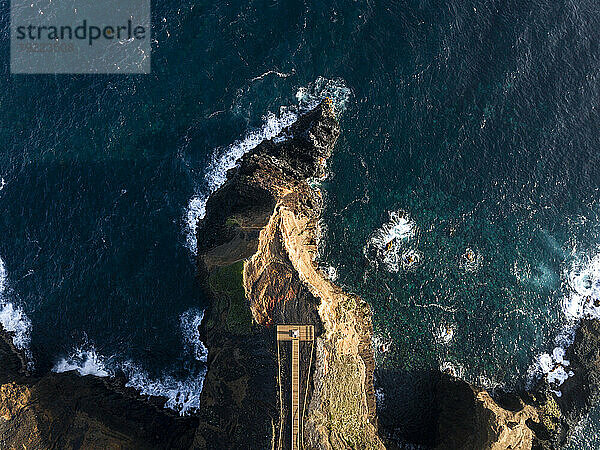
column 68, row 411
column 257, row 246
column 470, row 419
column 262, row 225
column 447, row 413
column 581, row 392
column 436, row 410
column 256, row 255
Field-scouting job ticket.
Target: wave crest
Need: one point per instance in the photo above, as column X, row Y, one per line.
column 182, row 396
column 389, row 244
column 13, row 319
column 86, row 361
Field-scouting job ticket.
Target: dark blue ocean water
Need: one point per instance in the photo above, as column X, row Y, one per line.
column 474, row 123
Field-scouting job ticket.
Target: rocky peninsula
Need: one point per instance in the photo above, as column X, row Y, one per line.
column 257, row 258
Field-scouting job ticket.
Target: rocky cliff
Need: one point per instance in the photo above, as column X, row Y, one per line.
column 455, row 415
column 67, row 411
column 257, row 248
column 578, row 394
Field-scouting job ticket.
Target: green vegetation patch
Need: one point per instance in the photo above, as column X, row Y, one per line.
column 550, row 413
column 226, row 283
column 233, row 222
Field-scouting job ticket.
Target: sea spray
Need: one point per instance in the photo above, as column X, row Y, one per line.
column 310, row 96
column 86, row 361
column 190, row 329
column 13, row 319
column 223, row 159
column 182, row 395
column 582, row 301
column 389, row 245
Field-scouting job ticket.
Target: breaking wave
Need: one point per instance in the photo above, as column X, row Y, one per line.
column 182, row 395
column 310, row 96
column 273, row 124
column 580, row 302
column 444, row 333
column 226, row 159
column 583, row 300
column 190, row 328
column 85, row 361
column 13, row 319
column 389, row 244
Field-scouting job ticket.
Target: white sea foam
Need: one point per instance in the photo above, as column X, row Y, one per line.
column 584, row 296
column 581, row 301
column 379, row 397
column 12, row 317
column 389, row 243
column 273, row 124
column 381, row 344
column 456, row 370
column 190, row 322
column 182, row 396
column 555, row 368
column 225, row 159
column 194, row 212
column 444, row 333
column 3, row 277
column 14, row 320
column 400, row 227
column 470, row 260
column 410, row 259
column 331, row 273
column 335, row 89
column 86, row 361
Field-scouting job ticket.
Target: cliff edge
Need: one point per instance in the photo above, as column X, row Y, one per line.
column 257, row 250
column 257, row 247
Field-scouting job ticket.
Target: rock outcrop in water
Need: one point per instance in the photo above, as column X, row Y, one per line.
column 257, row 247
column 67, row 411
column 454, row 415
column 444, row 412
column 579, row 393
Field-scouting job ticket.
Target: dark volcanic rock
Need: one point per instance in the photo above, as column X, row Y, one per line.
column 580, row 392
column 256, row 247
column 444, row 412
column 68, row 411
column 256, row 251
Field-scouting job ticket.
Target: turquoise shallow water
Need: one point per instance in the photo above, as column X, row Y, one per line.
column 474, row 121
